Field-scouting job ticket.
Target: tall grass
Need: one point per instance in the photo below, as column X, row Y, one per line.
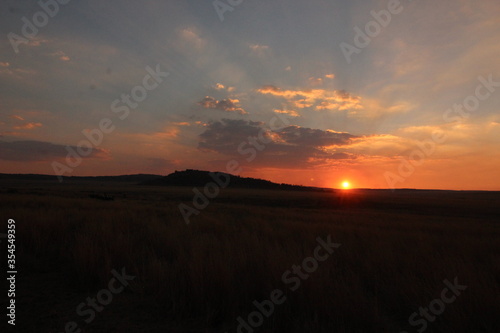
column 209, row 272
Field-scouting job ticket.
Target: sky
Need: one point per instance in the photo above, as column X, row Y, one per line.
column 383, row 94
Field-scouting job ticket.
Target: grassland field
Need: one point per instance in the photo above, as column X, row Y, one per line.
column 396, row 250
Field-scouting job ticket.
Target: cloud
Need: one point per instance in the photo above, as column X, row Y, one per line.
column 17, row 73
column 380, row 145
column 320, row 99
column 259, row 50
column 318, row 81
column 291, row 113
column 181, row 123
column 167, row 133
column 270, row 89
column 20, row 123
column 258, row 47
column 457, row 141
column 376, row 108
column 191, row 36
column 309, row 137
column 290, row 147
column 37, row 42
column 315, row 81
column 61, row 55
column 220, row 86
column 224, row 136
column 28, row 126
column 31, row 150
column 227, row 105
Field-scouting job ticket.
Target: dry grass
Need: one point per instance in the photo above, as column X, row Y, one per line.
column 396, row 251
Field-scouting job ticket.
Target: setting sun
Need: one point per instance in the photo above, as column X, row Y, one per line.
column 346, row 185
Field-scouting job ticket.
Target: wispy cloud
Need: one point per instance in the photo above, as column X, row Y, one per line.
column 318, row 99
column 259, row 50
column 291, row 113
column 227, row 105
column 28, row 126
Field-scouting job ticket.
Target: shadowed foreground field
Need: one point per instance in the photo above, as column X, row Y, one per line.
column 396, row 251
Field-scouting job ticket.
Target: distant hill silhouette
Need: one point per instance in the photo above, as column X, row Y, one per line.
column 189, row 177
column 199, row 178
column 139, row 178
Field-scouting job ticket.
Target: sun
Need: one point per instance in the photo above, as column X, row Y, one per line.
column 346, row 185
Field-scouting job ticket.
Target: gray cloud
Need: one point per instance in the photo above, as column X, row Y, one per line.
column 32, row 151
column 228, row 105
column 292, row 146
column 304, row 136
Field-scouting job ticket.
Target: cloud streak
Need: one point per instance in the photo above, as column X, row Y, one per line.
column 318, row 99
column 38, row 151
column 227, row 105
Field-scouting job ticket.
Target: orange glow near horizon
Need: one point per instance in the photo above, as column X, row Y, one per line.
column 346, row 185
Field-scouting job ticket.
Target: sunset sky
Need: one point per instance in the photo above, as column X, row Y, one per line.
column 394, row 106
